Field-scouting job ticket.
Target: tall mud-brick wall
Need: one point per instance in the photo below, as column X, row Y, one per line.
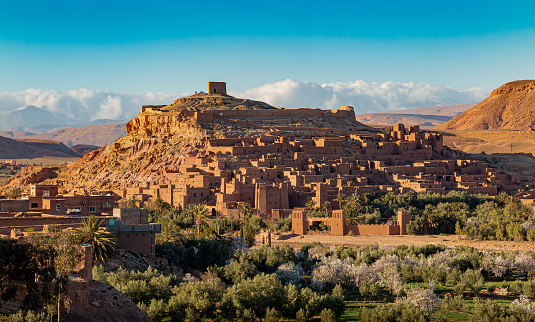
column 299, row 224
column 217, row 88
column 404, row 217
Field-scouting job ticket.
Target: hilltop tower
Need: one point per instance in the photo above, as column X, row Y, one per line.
column 217, row 88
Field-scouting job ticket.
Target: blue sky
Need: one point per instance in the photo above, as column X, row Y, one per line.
column 177, row 46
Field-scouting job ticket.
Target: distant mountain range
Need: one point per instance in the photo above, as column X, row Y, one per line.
column 37, row 123
column 99, row 135
column 29, row 149
column 423, row 116
column 37, row 120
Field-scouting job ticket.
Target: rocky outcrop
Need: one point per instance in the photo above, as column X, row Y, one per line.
column 162, row 136
column 207, row 101
column 509, row 107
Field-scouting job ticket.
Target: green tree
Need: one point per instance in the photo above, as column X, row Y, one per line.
column 67, row 256
column 340, row 198
column 133, row 202
column 310, row 205
column 103, row 241
column 169, row 232
column 14, row 193
column 244, row 209
column 200, row 214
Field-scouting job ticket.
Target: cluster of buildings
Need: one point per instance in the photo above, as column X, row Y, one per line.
column 45, row 207
column 10, row 165
column 283, row 170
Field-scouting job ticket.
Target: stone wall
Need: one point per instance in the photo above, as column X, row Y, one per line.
column 139, row 238
column 6, row 224
column 300, row 223
column 14, row 205
column 132, row 216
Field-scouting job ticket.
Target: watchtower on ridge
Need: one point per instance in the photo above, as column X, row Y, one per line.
column 217, row 88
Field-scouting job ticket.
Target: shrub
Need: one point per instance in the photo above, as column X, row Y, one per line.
column 422, row 298
column 487, row 310
column 156, row 311
column 368, row 290
column 531, row 234
column 516, row 287
column 327, row 315
column 258, row 294
column 289, row 273
column 470, row 280
column 392, row 312
column 239, row 270
column 524, row 262
column 301, row 315
column 529, row 289
column 196, row 299
column 522, row 308
column 491, row 287
column 455, row 303
column 272, row 315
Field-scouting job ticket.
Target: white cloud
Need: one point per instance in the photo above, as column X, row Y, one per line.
column 83, row 104
column 87, row 104
column 364, row 97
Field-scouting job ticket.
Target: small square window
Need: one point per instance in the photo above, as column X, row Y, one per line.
column 58, row 207
column 92, row 209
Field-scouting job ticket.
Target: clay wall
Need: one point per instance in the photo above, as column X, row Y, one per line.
column 14, row 205
column 370, row 230
column 139, row 238
column 284, row 113
column 299, row 223
column 132, row 216
column 277, row 214
column 6, row 224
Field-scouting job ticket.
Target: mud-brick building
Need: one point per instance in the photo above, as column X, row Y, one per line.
column 133, row 230
column 339, row 227
column 45, row 199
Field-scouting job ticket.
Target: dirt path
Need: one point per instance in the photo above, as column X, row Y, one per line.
column 393, row 241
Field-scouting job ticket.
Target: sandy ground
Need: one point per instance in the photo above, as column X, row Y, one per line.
column 393, row 241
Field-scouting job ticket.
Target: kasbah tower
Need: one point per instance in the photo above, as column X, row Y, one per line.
column 217, row 88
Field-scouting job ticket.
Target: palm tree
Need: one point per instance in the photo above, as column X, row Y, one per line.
column 200, row 214
column 244, row 210
column 103, row 241
column 326, row 205
column 311, row 204
column 217, row 229
column 169, row 232
column 132, row 202
column 340, row 198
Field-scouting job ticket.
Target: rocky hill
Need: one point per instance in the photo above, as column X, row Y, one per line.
column 99, row 135
column 509, row 107
column 206, row 101
column 162, row 136
column 29, row 149
column 423, row 116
